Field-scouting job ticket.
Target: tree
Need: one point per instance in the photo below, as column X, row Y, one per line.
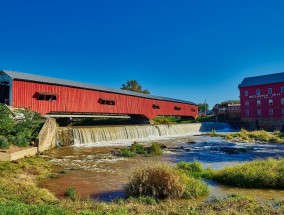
column 203, row 106
column 133, row 85
column 224, row 103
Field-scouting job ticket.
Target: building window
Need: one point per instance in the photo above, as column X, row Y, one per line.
column 282, row 101
column 104, row 101
column 270, row 111
column 247, row 103
column 282, row 110
column 46, row 96
column 270, row 102
column 259, row 112
column 258, row 92
column 246, row 93
column 269, row 90
column 258, row 103
column 282, row 89
column 247, row 112
column 177, row 108
column 156, row 106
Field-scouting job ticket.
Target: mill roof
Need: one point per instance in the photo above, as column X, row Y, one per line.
column 263, row 79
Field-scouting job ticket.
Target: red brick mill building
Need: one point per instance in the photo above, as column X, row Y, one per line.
column 262, row 102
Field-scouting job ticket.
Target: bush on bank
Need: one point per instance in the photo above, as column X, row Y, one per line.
column 18, row 132
column 162, row 181
column 255, row 174
column 253, row 136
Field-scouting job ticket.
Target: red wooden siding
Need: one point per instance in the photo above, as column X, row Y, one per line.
column 76, row 100
column 264, row 97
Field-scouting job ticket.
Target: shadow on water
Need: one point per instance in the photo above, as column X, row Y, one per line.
column 108, row 196
column 99, row 174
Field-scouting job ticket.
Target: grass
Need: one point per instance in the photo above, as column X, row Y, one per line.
column 255, row 174
column 20, row 194
column 71, row 193
column 170, row 120
column 162, row 181
column 127, row 153
column 253, row 136
column 194, row 169
column 136, row 148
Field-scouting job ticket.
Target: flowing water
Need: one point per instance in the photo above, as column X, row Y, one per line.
column 98, row 172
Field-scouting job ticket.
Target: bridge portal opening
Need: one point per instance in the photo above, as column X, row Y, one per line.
column 5, row 92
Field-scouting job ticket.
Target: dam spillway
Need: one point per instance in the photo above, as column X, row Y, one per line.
column 108, row 134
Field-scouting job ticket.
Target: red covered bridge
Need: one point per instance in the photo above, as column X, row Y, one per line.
column 57, row 97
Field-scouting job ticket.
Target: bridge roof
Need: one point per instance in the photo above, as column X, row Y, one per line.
column 62, row 82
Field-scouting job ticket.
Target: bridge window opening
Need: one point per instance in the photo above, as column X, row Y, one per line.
column 107, row 101
column 5, row 92
column 177, row 108
column 192, row 109
column 156, row 106
column 42, row 96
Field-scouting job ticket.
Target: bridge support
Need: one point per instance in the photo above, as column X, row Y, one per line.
column 184, row 118
column 140, row 119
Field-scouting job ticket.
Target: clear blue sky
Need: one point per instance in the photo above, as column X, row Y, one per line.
column 191, row 50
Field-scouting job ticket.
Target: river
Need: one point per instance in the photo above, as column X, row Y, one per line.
column 97, row 172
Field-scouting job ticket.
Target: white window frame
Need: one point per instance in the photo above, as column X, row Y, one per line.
column 270, row 102
column 246, row 103
column 246, row 93
column 282, row 89
column 257, row 92
column 247, row 112
column 258, row 103
column 269, row 90
column 271, row 112
column 258, row 112
column 282, row 101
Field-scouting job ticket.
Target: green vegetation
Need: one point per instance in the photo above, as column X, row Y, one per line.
column 21, row 132
column 19, row 180
column 155, row 149
column 133, row 85
column 162, row 181
column 101, row 121
column 127, row 153
column 194, row 169
column 21, row 195
column 71, row 193
column 253, row 136
column 203, row 106
column 257, row 174
column 136, row 148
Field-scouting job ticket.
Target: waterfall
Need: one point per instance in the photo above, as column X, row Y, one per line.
column 109, row 134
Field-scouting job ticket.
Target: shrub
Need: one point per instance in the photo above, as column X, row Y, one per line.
column 138, row 148
column 162, row 181
column 155, row 149
column 71, row 193
column 4, row 144
column 127, row 153
column 194, row 169
column 22, row 139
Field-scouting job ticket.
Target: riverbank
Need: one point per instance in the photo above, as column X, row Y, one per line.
column 20, row 194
